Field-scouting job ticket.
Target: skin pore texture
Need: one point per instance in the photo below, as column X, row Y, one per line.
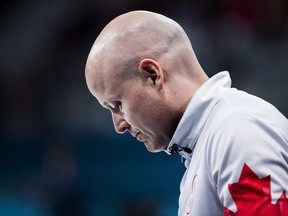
column 143, row 69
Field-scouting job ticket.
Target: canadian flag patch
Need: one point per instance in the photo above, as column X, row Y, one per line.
column 252, row 196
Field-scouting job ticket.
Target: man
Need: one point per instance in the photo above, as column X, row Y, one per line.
column 143, row 68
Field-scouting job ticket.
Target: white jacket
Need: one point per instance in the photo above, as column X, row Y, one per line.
column 239, row 159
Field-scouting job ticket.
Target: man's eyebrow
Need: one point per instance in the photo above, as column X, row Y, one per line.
column 105, row 104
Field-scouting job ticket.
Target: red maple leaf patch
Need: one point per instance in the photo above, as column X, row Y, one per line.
column 252, row 196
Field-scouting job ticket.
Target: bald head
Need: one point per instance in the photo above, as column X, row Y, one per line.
column 136, row 35
column 140, row 33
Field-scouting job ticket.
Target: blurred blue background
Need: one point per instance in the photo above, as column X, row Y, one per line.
column 59, row 153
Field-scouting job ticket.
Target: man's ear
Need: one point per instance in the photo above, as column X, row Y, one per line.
column 152, row 71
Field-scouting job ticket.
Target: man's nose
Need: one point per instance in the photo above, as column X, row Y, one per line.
column 120, row 124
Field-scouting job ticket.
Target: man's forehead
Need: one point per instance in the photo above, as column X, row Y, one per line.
column 97, row 69
column 105, row 86
column 108, row 97
column 105, row 64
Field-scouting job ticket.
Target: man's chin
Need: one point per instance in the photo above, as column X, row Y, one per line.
column 153, row 149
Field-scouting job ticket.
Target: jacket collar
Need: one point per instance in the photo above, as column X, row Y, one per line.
column 197, row 112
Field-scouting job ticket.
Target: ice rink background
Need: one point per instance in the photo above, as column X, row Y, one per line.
column 59, row 154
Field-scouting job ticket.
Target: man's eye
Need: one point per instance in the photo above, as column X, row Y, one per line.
column 116, row 108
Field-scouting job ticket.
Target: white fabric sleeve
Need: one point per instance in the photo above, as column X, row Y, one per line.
column 248, row 158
